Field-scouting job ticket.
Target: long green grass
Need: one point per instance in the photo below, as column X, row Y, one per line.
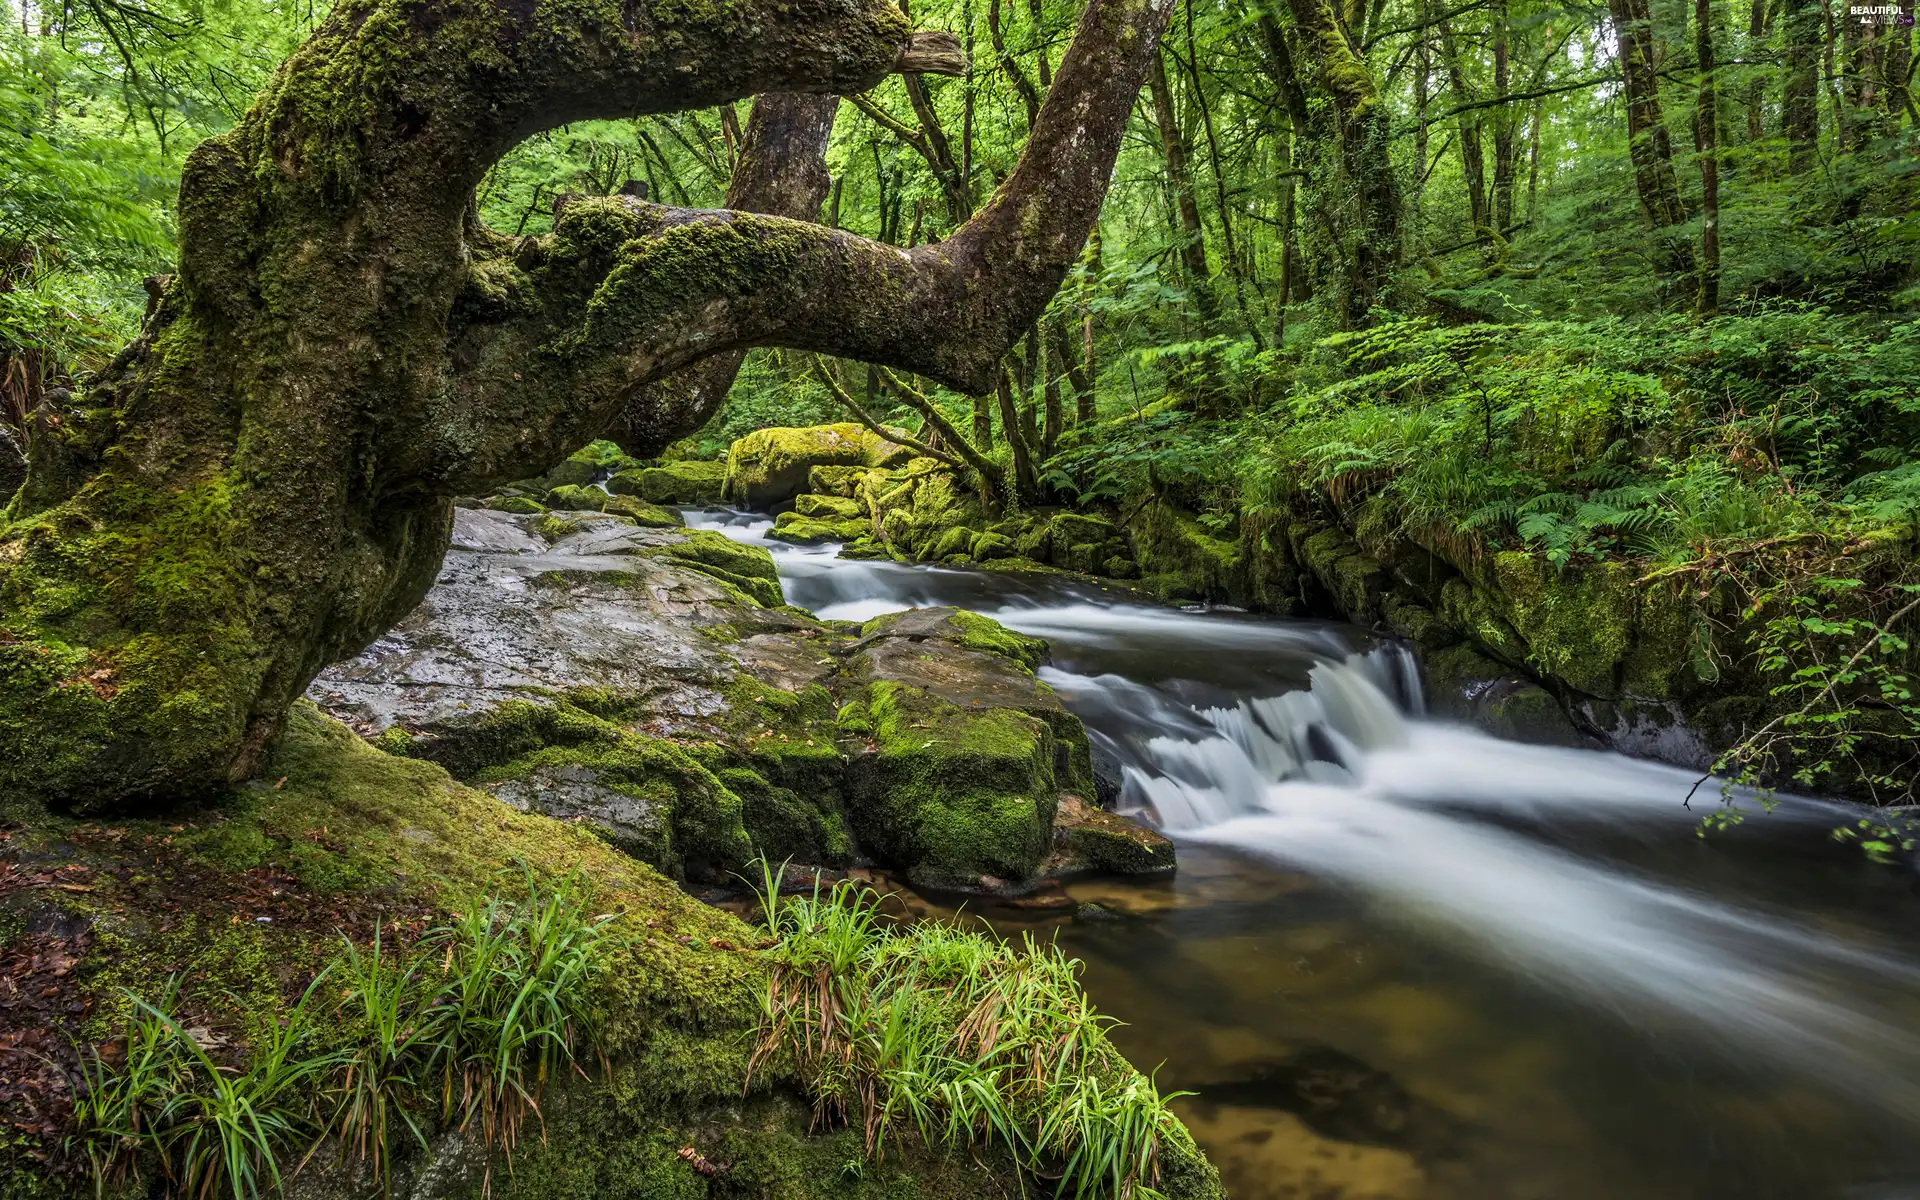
column 958, row 1036
column 463, row 1030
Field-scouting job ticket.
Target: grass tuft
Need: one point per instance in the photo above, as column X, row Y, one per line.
column 958, row 1036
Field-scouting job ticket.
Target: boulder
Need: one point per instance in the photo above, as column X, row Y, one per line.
column 805, row 530
column 13, row 465
column 835, row 481
column 642, row 513
column 574, row 497
column 690, row 482
column 988, row 546
column 829, row 507
column 958, row 752
column 772, row 466
column 1089, row 838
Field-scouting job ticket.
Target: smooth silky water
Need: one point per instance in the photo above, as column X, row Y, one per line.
column 1405, row 959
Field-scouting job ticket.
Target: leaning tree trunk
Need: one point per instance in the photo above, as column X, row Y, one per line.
column 782, row 172
column 261, row 483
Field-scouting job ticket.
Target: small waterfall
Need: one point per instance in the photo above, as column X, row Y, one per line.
column 1191, row 767
column 1280, row 741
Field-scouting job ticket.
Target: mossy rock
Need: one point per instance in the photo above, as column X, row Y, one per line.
column 772, row 466
column 841, row 481
column 988, row 546
column 804, row 530
column 518, row 505
column 828, row 508
column 645, row 796
column 1088, row 838
column 749, row 568
column 576, row 498
column 961, row 628
column 957, row 790
column 865, row 549
column 650, row 516
column 690, row 482
column 956, row 542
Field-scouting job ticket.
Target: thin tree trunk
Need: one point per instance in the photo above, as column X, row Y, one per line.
column 1368, row 198
column 1235, row 270
column 1504, row 123
column 1707, row 302
column 1649, row 143
column 1533, row 160
column 1799, row 99
column 1173, row 147
column 1473, row 159
column 1010, row 425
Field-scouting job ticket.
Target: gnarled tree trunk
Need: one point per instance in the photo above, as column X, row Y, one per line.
column 261, row 484
column 782, row 172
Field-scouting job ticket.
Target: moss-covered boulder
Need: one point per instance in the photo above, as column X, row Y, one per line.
column 958, row 753
column 828, row 508
column 652, row 516
column 1089, row 838
column 772, row 466
column 805, row 530
column 690, row 482
column 835, row 480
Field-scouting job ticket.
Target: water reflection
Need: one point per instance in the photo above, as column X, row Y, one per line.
column 1404, row 959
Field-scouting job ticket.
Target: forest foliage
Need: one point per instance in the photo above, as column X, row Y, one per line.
column 1634, row 280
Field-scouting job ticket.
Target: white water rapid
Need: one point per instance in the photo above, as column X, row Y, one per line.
column 1306, row 747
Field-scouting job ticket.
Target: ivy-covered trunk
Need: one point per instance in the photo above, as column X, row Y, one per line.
column 261, row 483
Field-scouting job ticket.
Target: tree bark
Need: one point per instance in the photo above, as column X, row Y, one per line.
column 781, row 171
column 1800, row 89
column 1367, row 203
column 1649, row 144
column 262, row 483
column 1707, row 299
column 1473, row 158
column 1173, row 146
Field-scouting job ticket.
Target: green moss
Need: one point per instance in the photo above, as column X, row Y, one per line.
column 681, row 482
column 575, row 498
column 748, row 568
column 793, row 527
column 829, row 508
column 395, row 741
column 960, row 791
column 643, row 514
column 519, row 505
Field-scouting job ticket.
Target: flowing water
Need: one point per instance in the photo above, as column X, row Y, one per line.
column 1405, row 959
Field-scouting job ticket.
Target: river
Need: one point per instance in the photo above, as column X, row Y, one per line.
column 1405, row 959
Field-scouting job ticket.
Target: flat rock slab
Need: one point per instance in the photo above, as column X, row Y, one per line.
column 515, row 618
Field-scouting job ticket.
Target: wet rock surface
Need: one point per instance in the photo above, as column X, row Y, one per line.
column 647, row 683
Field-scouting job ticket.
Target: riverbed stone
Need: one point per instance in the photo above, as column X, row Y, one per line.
column 628, row 679
column 828, row 508
column 689, row 482
column 807, row 530
column 771, row 466
column 1089, row 838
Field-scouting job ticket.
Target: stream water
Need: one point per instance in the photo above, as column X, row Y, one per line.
column 1405, row 959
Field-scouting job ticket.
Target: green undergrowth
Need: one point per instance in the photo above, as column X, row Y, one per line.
column 963, row 1040
column 241, row 1026
column 464, row 1029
